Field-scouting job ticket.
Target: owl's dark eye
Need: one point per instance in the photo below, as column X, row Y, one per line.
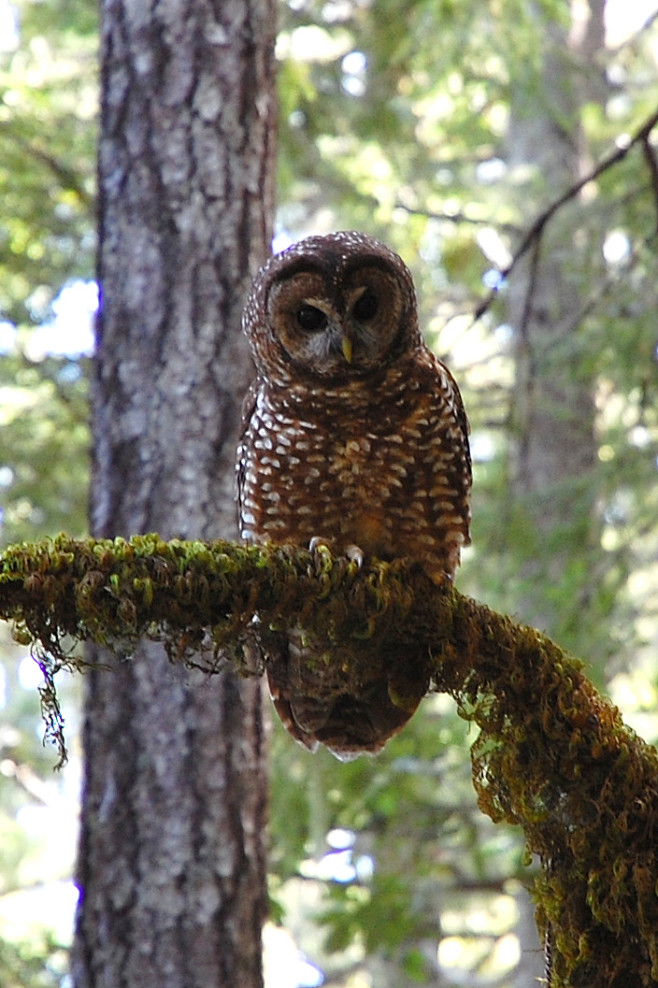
column 311, row 319
column 366, row 306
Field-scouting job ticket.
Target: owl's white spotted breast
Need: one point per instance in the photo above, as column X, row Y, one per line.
column 390, row 475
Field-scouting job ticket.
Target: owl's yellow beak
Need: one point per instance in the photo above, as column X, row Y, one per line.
column 346, row 346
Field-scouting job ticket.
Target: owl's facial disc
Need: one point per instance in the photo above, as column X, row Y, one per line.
column 344, row 328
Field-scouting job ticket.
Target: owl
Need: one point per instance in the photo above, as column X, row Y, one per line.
column 354, row 434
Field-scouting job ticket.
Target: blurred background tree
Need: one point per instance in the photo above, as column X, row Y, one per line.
column 48, row 110
column 445, row 129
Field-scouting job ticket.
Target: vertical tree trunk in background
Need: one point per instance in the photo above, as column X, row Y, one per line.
column 554, row 388
column 172, row 854
column 554, row 399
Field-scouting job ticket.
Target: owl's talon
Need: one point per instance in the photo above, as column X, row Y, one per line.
column 355, row 555
column 322, row 553
column 318, row 543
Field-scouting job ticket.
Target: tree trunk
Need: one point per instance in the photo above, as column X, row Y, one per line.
column 172, row 854
column 554, row 400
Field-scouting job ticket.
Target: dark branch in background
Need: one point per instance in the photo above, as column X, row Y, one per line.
column 526, row 357
column 552, row 755
column 535, row 232
column 652, row 165
column 530, row 294
column 456, row 218
column 67, row 177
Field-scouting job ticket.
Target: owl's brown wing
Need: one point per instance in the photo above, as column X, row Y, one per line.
column 463, row 467
column 464, row 425
column 460, row 411
column 431, row 501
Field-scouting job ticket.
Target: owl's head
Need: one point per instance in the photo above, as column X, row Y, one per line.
column 336, row 307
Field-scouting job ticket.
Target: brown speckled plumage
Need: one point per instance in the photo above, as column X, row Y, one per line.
column 354, row 433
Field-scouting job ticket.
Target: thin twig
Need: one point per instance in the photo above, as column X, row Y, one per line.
column 457, row 217
column 652, row 165
column 535, row 231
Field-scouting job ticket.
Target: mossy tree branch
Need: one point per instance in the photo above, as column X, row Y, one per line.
column 552, row 755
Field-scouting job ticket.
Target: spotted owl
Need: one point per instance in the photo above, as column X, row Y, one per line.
column 354, row 434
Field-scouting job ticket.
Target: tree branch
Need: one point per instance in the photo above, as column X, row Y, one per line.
column 652, row 165
column 535, row 231
column 552, row 756
column 67, row 177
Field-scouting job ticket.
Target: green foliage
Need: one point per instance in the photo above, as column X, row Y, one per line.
column 43, row 415
column 48, row 106
column 47, row 140
column 23, row 966
column 47, row 144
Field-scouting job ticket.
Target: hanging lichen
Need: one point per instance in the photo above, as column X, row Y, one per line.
column 552, row 755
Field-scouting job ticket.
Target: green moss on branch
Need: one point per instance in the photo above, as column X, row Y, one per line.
column 189, row 594
column 552, row 756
